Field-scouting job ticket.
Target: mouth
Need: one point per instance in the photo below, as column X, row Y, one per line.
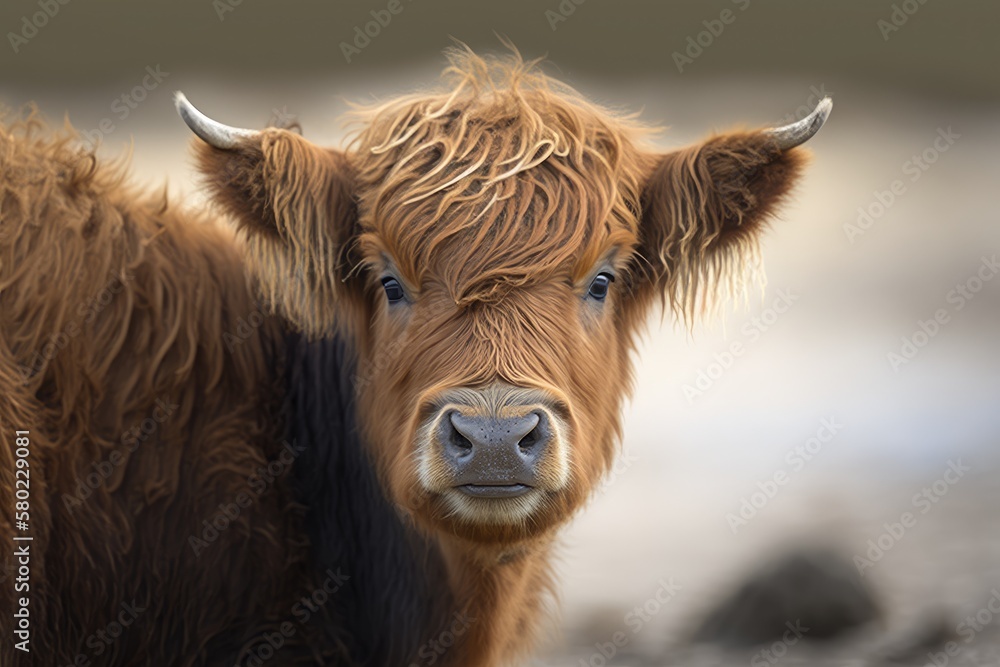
column 494, row 490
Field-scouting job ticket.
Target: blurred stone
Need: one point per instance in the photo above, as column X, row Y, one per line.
column 815, row 593
column 928, row 635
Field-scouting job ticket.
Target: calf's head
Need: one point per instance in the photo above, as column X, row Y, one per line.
column 492, row 250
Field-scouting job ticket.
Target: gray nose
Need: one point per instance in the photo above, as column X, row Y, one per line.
column 490, row 451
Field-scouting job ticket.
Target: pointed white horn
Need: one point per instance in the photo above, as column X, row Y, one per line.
column 210, row 131
column 802, row 131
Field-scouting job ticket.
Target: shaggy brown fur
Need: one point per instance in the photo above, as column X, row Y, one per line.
column 113, row 309
column 494, row 202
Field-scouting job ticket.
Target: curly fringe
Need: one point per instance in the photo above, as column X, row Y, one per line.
column 439, row 171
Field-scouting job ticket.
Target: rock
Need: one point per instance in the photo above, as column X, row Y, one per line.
column 815, row 593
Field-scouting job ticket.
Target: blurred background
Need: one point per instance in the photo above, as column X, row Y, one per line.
column 859, row 417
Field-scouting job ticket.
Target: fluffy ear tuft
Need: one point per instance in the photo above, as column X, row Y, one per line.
column 704, row 209
column 294, row 203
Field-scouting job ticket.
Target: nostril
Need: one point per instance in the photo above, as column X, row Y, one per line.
column 459, row 441
column 528, row 442
column 456, row 443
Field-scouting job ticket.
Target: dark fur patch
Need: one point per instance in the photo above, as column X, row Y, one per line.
column 395, row 598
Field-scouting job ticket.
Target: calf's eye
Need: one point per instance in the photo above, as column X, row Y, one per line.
column 393, row 290
column 599, row 288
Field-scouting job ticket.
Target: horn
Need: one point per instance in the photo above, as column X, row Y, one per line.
column 802, row 131
column 210, row 131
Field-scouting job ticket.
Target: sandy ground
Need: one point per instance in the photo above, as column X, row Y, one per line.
column 691, row 460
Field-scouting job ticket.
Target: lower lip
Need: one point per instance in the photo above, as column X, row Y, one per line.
column 485, row 491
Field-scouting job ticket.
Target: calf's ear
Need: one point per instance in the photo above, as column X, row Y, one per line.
column 704, row 208
column 294, row 203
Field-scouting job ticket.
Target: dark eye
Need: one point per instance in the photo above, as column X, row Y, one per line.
column 393, row 290
column 599, row 288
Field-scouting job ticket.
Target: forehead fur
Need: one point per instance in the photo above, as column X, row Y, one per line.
column 504, row 178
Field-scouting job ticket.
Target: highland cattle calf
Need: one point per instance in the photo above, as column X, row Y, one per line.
column 349, row 432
